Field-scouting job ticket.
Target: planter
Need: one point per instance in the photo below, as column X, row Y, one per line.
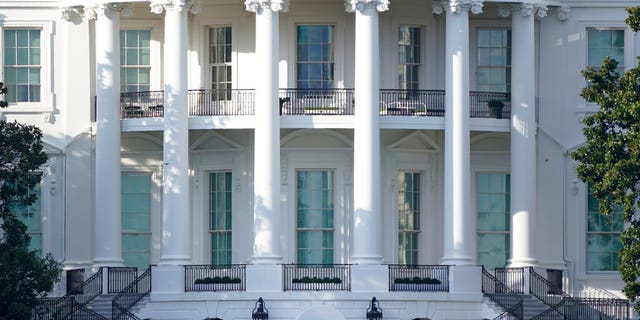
column 418, row 287
column 495, row 108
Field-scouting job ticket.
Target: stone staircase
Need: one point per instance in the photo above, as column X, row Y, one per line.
column 102, row 305
column 532, row 307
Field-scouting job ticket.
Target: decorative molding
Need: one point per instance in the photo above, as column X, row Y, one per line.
column 348, row 170
column 284, row 169
column 360, row 5
column 51, row 173
column 541, row 10
column 257, row 6
column 575, row 187
column 455, row 6
column 47, row 117
column 158, row 6
column 526, row 9
column 91, row 12
column 504, row 11
column 72, row 13
column 563, row 13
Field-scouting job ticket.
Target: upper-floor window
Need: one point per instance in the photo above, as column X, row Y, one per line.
column 408, row 217
column 604, row 42
column 220, row 62
column 409, row 57
column 22, row 64
column 494, row 60
column 603, row 236
column 135, row 60
column 494, row 220
column 314, row 61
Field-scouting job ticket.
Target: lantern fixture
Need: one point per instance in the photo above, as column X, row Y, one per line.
column 260, row 312
column 374, row 312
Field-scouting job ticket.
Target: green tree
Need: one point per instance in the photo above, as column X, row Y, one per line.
column 24, row 274
column 610, row 158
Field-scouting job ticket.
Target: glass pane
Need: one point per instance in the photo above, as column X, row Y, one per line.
column 9, row 56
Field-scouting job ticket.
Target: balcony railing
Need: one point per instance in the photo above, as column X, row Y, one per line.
column 237, row 102
column 418, row 278
column 317, row 277
column 120, row 277
column 316, row 101
column 215, row 277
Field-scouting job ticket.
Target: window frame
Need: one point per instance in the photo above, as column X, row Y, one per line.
column 332, row 61
column 587, row 233
column 45, row 105
column 420, row 55
column 417, row 230
column 151, row 212
column 506, row 67
column 210, row 232
column 477, row 232
column 138, row 66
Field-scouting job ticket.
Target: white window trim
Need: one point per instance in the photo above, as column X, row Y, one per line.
column 46, row 76
column 207, row 218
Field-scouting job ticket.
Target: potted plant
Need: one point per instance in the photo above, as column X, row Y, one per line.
column 495, row 108
column 215, row 283
column 416, row 284
column 315, row 283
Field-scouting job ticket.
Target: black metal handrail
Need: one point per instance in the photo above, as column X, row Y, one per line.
column 501, row 294
column 129, row 296
column 398, row 102
column 221, row 102
column 479, row 104
column 317, row 277
column 418, row 277
column 544, row 290
column 68, row 305
column 142, row 104
column 330, row 101
column 230, row 277
column 119, row 278
column 514, row 278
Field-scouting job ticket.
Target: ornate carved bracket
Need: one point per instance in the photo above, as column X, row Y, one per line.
column 158, row 6
column 525, row 9
column 256, row 6
column 456, row 6
column 563, row 13
column 91, row 12
column 72, row 13
column 359, row 5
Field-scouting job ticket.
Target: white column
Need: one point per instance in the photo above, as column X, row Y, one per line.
column 266, row 170
column 367, row 218
column 176, row 214
column 523, row 135
column 458, row 236
column 107, row 231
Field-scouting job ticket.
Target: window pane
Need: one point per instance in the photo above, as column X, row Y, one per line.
column 136, row 219
column 314, row 68
column 408, row 216
column 220, row 217
column 494, row 218
column 494, row 60
column 135, row 60
column 603, row 236
column 314, row 216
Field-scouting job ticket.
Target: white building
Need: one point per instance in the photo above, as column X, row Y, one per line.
column 271, row 134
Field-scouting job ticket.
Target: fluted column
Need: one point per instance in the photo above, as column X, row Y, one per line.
column 266, row 172
column 523, row 134
column 107, row 231
column 367, row 219
column 458, row 236
column 176, row 214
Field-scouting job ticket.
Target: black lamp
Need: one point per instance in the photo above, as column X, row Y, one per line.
column 260, row 312
column 374, row 312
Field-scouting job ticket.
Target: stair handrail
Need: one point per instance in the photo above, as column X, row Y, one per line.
column 501, row 294
column 137, row 289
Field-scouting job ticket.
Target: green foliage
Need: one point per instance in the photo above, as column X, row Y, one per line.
column 24, row 274
column 416, row 280
column 217, row 280
column 610, row 158
column 316, row 280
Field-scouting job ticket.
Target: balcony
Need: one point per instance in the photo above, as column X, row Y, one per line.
column 418, row 278
column 317, row 277
column 215, row 277
column 333, row 102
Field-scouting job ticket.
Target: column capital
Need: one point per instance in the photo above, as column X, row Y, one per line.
column 157, row 6
column 256, row 6
column 525, row 9
column 359, row 5
column 72, row 13
column 563, row 13
column 456, row 6
column 93, row 11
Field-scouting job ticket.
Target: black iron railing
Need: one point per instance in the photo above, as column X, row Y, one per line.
column 72, row 303
column 544, row 290
column 418, row 278
column 141, row 104
column 514, row 278
column 396, row 102
column 215, row 277
column 480, row 102
column 502, row 295
column 221, row 102
column 129, row 296
column 317, row 277
column 119, row 278
column 316, row 101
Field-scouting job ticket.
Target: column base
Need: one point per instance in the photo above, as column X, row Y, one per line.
column 267, row 260
column 521, row 263
column 107, row 262
column 175, row 260
column 369, row 278
column 167, row 279
column 457, row 260
column 264, row 278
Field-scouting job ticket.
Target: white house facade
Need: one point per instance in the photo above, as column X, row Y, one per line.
column 316, row 154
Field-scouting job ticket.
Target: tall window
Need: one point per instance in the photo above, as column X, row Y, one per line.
column 135, row 60
column 136, row 219
column 493, row 220
column 220, row 217
column 314, row 65
column 603, row 43
column 409, row 57
column 314, row 216
column 31, row 216
column 22, row 64
column 603, row 236
column 220, row 62
column 408, row 217
column 494, row 60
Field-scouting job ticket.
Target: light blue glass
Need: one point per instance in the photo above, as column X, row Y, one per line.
column 22, row 38
column 9, row 39
column 9, row 56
